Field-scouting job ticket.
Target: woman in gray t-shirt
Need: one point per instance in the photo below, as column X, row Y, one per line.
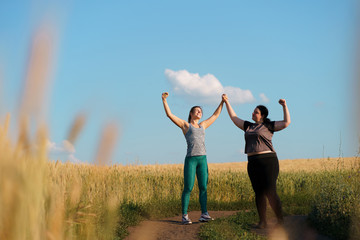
column 263, row 164
column 195, row 160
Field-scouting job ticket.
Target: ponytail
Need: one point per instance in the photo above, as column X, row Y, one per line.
column 266, row 120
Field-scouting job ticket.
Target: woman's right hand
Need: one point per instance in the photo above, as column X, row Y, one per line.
column 164, row 95
column 225, row 98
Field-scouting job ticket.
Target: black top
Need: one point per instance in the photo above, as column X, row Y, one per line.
column 258, row 136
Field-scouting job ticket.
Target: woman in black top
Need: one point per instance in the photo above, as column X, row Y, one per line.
column 263, row 164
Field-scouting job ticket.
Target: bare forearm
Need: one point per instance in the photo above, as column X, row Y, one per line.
column 218, row 109
column 207, row 123
column 166, row 108
column 279, row 125
column 231, row 112
column 237, row 121
column 287, row 119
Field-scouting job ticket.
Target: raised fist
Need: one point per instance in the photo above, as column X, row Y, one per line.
column 164, row 95
column 282, row 102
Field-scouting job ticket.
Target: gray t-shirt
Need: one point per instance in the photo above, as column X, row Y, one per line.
column 258, row 137
column 195, row 139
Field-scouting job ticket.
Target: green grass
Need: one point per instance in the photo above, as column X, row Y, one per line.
column 130, row 214
column 335, row 211
column 233, row 227
column 120, row 197
column 91, row 202
column 331, row 199
column 328, row 196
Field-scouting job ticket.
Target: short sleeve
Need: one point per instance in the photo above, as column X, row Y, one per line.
column 271, row 126
column 246, row 125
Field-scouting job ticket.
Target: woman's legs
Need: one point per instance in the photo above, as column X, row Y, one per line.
column 260, row 200
column 263, row 171
column 189, row 179
column 272, row 170
column 275, row 204
column 256, row 173
column 202, row 177
column 195, row 165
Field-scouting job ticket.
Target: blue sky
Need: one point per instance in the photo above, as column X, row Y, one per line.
column 110, row 59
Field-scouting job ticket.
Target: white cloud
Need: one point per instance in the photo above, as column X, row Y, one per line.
column 263, row 98
column 206, row 89
column 64, row 151
column 65, row 147
column 73, row 159
column 237, row 95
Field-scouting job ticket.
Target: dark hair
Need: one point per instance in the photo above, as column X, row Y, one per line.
column 192, row 110
column 264, row 113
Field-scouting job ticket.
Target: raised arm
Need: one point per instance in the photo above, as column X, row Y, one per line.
column 280, row 125
column 178, row 121
column 207, row 123
column 237, row 121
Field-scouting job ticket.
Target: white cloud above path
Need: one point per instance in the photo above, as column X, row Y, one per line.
column 206, row 89
column 65, row 151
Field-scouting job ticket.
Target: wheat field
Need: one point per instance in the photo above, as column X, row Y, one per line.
column 306, row 165
column 45, row 199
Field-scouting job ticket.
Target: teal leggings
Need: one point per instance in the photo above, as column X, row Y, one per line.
column 195, row 165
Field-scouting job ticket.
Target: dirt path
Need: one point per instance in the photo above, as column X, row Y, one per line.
column 295, row 228
column 171, row 228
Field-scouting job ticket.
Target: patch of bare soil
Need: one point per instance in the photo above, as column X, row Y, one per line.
column 172, row 228
column 294, row 228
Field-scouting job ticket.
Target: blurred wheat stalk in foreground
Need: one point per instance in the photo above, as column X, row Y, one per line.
column 40, row 199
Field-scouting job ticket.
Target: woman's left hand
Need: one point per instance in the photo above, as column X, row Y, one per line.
column 282, row 102
column 224, row 98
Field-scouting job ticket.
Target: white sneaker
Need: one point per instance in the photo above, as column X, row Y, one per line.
column 186, row 220
column 205, row 217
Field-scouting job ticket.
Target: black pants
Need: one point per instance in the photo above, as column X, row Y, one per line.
column 263, row 170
